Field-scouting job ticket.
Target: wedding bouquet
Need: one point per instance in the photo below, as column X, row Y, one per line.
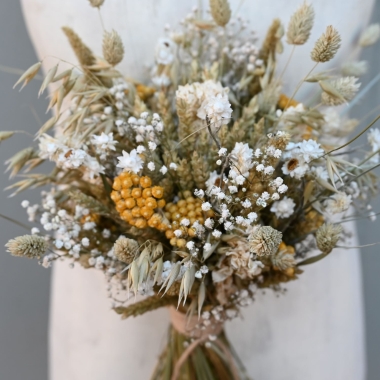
column 196, row 189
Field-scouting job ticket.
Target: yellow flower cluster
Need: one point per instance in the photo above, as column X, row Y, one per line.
column 187, row 208
column 136, row 200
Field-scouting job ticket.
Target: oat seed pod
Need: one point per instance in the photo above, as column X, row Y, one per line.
column 220, row 11
column 113, row 49
column 327, row 236
column 30, row 246
column 300, row 25
column 326, row 46
column 96, row 3
column 125, row 249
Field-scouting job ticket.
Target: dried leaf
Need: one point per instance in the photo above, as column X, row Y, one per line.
column 201, row 297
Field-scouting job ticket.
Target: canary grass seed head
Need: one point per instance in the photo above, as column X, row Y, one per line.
column 31, row 246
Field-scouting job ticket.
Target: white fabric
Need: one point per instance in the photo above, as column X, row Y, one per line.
column 313, row 332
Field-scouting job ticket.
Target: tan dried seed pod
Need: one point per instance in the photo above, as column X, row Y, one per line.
column 113, row 49
column 220, row 11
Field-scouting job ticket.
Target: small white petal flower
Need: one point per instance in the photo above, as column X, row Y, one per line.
column 260, row 167
column 85, row 242
column 252, row 216
column 163, row 170
column 222, row 152
column 152, row 145
column 140, row 149
column 151, row 166
column 130, row 162
column 217, row 234
column 206, row 206
column 178, row 233
column 282, row 189
column 25, row 204
column 246, row 203
column 173, row 166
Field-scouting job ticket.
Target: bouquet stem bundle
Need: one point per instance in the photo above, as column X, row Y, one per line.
column 185, row 357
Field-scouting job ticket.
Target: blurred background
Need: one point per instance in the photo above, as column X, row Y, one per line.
column 24, row 286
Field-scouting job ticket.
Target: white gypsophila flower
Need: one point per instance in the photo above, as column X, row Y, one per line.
column 282, row 189
column 161, row 80
column 165, row 51
column 152, row 145
column 222, row 152
column 104, row 142
column 140, row 149
column 241, row 157
column 337, row 203
column 163, row 169
column 130, row 162
column 217, row 109
column 206, row 206
column 283, row 208
column 151, row 166
column 173, row 166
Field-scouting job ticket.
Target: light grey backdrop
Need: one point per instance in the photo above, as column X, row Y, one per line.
column 24, row 286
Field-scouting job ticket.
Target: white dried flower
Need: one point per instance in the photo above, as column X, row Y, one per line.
column 104, row 141
column 217, row 109
column 163, row 170
column 151, row 166
column 337, row 203
column 283, row 208
column 130, row 162
column 206, row 206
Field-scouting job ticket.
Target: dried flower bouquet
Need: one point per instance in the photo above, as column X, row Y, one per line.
column 200, row 187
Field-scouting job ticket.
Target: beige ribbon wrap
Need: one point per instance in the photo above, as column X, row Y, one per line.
column 189, row 327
